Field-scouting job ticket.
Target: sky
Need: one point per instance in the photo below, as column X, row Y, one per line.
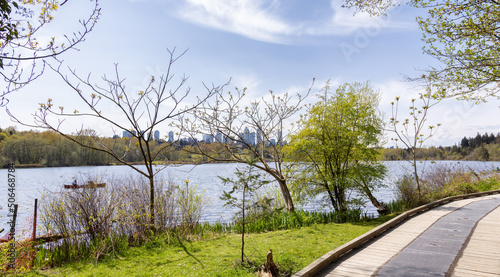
column 278, row 45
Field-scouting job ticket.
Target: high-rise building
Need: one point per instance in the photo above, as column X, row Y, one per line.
column 246, row 136
column 157, row 135
column 171, row 136
column 252, row 138
column 208, row 138
column 259, row 137
column 127, row 134
column 218, row 137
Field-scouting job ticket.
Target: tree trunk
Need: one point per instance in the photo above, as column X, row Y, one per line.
column 339, row 193
column 332, row 199
column 381, row 207
column 152, row 202
column 415, row 171
column 286, row 196
column 243, row 225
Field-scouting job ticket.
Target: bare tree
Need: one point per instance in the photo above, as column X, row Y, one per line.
column 139, row 114
column 410, row 131
column 23, row 52
column 257, row 132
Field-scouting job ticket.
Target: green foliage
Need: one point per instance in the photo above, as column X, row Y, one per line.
column 337, row 140
column 372, row 7
column 190, row 205
column 8, row 28
column 463, row 35
column 279, row 220
column 33, row 148
column 119, row 219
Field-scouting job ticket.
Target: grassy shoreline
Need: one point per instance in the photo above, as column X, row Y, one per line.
column 293, row 249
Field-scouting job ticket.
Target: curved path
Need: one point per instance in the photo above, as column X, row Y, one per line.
column 460, row 238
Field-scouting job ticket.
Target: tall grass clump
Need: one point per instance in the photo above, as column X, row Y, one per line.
column 95, row 223
column 442, row 181
column 268, row 214
column 282, row 220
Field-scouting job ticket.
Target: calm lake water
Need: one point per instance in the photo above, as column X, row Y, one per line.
column 31, row 183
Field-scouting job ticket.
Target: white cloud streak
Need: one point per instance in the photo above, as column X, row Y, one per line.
column 265, row 20
column 254, row 19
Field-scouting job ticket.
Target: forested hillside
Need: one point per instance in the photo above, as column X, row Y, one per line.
column 484, row 147
column 51, row 149
column 47, row 148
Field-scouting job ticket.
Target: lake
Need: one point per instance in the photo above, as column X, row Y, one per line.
column 32, row 182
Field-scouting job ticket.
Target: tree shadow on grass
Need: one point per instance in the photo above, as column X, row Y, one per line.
column 186, row 250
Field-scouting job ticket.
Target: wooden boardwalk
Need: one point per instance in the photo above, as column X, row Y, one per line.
column 479, row 254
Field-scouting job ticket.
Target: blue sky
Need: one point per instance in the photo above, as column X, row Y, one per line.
column 261, row 45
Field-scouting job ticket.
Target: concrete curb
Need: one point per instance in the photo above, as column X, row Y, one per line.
column 338, row 252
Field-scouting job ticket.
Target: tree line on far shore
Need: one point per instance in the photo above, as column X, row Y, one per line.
column 50, row 149
column 484, row 147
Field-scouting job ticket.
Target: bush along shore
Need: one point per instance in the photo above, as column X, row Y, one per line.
column 115, row 238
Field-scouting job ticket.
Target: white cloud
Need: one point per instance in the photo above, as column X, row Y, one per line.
column 265, row 20
column 250, row 18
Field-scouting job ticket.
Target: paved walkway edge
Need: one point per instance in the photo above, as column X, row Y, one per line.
column 338, row 252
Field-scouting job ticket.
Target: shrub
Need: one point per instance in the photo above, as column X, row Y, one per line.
column 442, row 181
column 102, row 222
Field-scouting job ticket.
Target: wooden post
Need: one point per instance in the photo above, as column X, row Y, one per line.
column 33, row 236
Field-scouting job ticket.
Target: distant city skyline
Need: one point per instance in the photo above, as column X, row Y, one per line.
column 248, row 136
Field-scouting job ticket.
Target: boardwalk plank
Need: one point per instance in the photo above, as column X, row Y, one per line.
column 472, row 273
column 485, row 242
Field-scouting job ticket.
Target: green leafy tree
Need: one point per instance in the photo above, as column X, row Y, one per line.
column 463, row 35
column 241, row 195
column 337, row 144
column 482, row 153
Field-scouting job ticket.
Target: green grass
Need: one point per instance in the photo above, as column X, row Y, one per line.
column 293, row 249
